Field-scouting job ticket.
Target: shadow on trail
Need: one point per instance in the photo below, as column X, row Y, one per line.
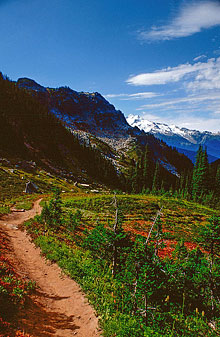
column 37, row 321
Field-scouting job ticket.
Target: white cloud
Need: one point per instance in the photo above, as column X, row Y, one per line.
column 199, row 57
column 198, row 88
column 136, row 96
column 204, row 75
column 188, row 100
column 207, row 78
column 115, row 95
column 217, row 51
column 197, row 123
column 192, row 18
column 163, row 76
column 199, row 112
column 186, row 120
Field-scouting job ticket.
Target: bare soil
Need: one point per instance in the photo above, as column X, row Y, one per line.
column 57, row 307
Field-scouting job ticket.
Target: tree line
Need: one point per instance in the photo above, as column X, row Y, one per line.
column 200, row 182
column 38, row 135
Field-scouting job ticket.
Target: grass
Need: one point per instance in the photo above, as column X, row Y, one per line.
column 180, row 217
column 24, row 202
column 180, row 220
column 13, row 182
column 4, row 210
column 26, row 205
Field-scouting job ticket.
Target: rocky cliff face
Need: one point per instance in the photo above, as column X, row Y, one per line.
column 85, row 111
column 92, row 117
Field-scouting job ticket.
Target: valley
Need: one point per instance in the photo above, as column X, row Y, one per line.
column 110, row 168
column 130, row 219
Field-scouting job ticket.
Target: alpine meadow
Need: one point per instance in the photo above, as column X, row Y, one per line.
column 110, row 198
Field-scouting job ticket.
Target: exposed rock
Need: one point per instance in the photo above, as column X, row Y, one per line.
column 31, row 187
column 97, row 124
column 29, row 84
column 89, row 112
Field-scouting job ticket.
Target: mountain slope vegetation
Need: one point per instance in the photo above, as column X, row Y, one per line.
column 145, row 276
column 28, row 131
column 82, row 137
column 149, row 259
column 48, row 127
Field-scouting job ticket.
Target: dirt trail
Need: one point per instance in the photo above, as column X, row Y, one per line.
column 58, row 308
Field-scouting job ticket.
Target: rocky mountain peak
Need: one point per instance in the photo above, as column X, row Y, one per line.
column 185, row 140
column 30, row 84
column 85, row 111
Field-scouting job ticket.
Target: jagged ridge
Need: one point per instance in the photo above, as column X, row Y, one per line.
column 185, row 140
column 89, row 112
column 91, row 115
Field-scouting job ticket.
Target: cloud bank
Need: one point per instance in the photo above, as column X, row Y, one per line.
column 192, row 18
column 195, row 101
column 200, row 75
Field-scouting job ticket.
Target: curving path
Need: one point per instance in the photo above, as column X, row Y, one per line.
column 58, row 307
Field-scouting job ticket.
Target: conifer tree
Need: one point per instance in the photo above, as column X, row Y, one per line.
column 186, row 192
column 204, row 172
column 200, row 179
column 217, row 181
column 134, row 179
column 156, row 179
column 147, row 174
column 139, row 168
column 195, row 188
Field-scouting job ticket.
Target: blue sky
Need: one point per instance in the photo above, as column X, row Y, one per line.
column 157, row 58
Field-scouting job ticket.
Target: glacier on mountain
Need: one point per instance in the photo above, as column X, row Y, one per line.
column 185, row 140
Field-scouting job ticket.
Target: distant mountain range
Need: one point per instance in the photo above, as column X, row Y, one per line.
column 184, row 140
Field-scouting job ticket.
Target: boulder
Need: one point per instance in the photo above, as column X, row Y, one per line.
column 31, row 187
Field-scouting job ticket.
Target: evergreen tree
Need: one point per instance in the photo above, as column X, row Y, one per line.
column 195, row 186
column 55, row 207
column 134, row 179
column 156, row 179
column 147, row 169
column 217, row 181
column 139, row 174
column 204, row 172
column 187, row 191
column 200, row 180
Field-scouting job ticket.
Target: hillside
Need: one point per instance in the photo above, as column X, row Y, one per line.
column 82, row 138
column 39, row 137
column 85, row 111
column 142, row 257
column 119, row 265
column 93, row 118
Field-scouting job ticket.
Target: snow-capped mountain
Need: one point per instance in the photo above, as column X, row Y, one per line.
column 185, row 140
column 94, row 119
